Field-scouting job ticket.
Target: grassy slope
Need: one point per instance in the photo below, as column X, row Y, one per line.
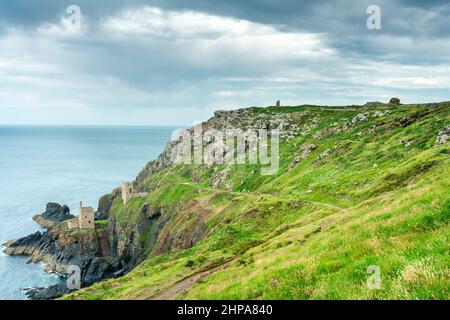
column 311, row 232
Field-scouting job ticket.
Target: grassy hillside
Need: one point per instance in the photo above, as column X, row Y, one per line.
column 374, row 190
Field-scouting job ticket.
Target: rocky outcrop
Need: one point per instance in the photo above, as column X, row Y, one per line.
column 395, row 101
column 443, row 136
column 43, row 293
column 323, row 155
column 348, row 124
column 107, row 251
column 304, row 153
column 59, row 248
column 105, row 203
column 290, row 125
column 53, row 215
column 130, row 240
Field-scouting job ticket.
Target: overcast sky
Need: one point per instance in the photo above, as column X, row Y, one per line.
column 176, row 61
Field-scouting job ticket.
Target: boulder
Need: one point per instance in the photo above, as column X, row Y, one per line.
column 395, row 101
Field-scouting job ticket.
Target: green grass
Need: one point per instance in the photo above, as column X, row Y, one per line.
column 313, row 231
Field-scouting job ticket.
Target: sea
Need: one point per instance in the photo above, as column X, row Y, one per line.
column 64, row 164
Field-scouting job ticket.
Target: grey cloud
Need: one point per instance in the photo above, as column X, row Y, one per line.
column 106, row 70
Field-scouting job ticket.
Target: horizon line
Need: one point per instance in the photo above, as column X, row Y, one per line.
column 88, row 125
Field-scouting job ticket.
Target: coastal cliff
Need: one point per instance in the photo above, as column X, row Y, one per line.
column 343, row 173
column 109, row 250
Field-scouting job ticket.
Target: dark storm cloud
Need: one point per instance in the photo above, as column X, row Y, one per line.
column 317, row 15
column 343, row 19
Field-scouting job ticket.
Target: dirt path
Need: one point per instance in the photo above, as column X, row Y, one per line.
column 188, row 282
column 185, row 284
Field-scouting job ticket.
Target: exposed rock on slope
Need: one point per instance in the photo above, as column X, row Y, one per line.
column 290, row 125
column 305, row 152
column 105, row 204
column 443, row 136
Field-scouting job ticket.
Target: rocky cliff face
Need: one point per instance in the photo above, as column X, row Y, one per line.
column 53, row 215
column 59, row 248
column 163, row 161
column 243, row 119
column 105, row 204
column 108, row 251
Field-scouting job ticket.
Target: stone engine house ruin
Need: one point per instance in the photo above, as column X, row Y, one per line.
column 128, row 192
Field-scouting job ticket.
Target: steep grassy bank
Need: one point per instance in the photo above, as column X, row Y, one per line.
column 357, row 187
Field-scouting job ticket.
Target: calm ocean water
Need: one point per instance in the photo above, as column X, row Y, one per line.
column 65, row 165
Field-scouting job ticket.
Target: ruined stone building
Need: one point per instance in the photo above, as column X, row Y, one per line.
column 85, row 219
column 128, row 192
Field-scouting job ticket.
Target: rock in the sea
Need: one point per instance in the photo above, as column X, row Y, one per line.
column 59, row 248
column 50, row 293
column 23, row 246
column 379, row 113
column 53, row 215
